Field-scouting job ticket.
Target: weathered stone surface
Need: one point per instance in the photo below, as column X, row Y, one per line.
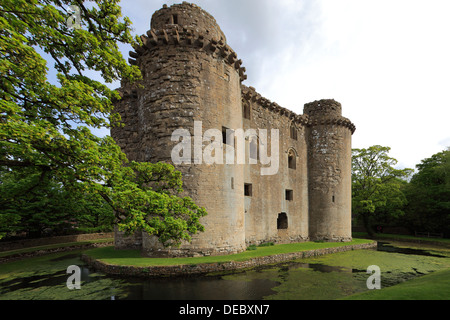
column 121, row 241
column 191, row 74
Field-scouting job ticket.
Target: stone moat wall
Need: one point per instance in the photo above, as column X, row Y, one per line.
column 214, row 268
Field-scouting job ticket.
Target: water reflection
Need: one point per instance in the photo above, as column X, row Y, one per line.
column 322, row 267
column 387, row 247
column 198, row 289
column 290, row 280
column 35, row 281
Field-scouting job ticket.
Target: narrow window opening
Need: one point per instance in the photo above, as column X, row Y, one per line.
column 224, row 135
column 333, row 199
column 293, row 132
column 232, row 183
column 292, row 161
column 289, row 195
column 175, row 19
column 227, row 136
column 282, row 221
column 248, row 189
column 246, row 111
column 254, row 149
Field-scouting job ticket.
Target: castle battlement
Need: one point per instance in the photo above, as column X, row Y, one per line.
column 322, row 112
column 177, row 36
column 249, row 94
column 190, row 16
column 190, row 26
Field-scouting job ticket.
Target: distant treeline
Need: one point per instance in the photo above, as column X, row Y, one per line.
column 384, row 196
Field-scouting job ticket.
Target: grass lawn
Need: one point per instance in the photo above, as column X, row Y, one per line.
column 133, row 257
column 435, row 286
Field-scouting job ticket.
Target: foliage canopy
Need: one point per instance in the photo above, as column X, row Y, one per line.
column 45, row 126
column 376, row 184
column 428, row 195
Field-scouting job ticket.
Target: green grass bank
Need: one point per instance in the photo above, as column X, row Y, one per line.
column 434, row 286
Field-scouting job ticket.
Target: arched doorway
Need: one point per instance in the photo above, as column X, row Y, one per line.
column 282, row 221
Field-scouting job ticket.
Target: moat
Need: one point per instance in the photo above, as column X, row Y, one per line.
column 331, row 276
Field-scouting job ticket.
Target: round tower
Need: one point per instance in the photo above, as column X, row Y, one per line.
column 329, row 171
column 191, row 81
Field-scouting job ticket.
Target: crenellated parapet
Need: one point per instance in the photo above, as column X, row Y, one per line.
column 344, row 122
column 327, row 112
column 128, row 90
column 175, row 35
column 250, row 94
column 322, row 112
column 190, row 16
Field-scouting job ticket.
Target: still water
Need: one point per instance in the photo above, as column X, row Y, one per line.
column 328, row 277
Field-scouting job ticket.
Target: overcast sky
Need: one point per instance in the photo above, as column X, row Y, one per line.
column 386, row 61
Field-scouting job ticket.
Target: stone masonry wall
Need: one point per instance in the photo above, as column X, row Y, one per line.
column 329, row 171
column 189, row 74
column 268, row 198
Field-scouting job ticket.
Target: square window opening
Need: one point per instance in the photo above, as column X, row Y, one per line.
column 289, row 195
column 248, row 189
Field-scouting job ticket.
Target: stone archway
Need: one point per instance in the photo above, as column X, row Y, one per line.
column 282, row 221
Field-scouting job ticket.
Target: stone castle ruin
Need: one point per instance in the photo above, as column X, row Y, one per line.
column 191, row 75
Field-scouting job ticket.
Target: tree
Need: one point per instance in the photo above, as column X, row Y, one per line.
column 376, row 184
column 148, row 196
column 38, row 205
column 46, row 126
column 428, row 195
column 35, row 204
column 93, row 214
